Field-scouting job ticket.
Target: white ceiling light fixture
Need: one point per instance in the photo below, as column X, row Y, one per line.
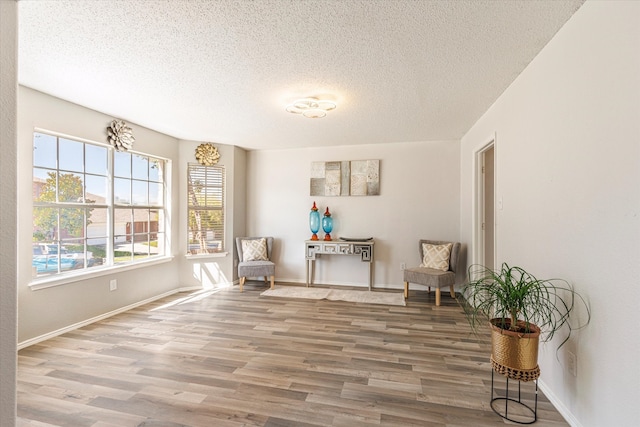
column 311, row 108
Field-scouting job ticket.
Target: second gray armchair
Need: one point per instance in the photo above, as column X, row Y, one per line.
column 439, row 260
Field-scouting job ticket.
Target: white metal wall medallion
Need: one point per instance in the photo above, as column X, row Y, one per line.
column 120, row 135
column 207, row 154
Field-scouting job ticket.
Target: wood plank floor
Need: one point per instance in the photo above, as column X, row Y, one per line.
column 230, row 359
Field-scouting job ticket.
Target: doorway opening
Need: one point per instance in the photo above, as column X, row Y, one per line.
column 484, row 210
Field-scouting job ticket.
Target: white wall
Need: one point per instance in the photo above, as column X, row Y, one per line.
column 419, row 187
column 8, row 192
column 46, row 310
column 568, row 171
column 239, row 202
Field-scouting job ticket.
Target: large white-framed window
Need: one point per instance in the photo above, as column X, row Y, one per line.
column 205, row 208
column 93, row 206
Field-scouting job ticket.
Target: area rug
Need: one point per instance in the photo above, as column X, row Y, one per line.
column 367, row 297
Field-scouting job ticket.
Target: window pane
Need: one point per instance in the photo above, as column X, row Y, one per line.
column 44, row 150
column 45, row 224
column 122, row 164
column 122, row 242
column 70, row 188
column 71, row 222
column 122, row 191
column 96, row 160
column 142, row 251
column 41, row 263
column 141, row 247
column 122, row 221
column 141, row 232
column 156, row 172
column 141, row 221
column 123, row 252
column 206, row 231
column 140, row 167
column 97, row 225
column 71, row 155
column 44, row 185
column 98, row 248
column 96, row 189
column 156, row 195
column 140, row 192
column 45, row 259
column 213, row 197
column 155, row 244
column 73, row 254
column 156, row 220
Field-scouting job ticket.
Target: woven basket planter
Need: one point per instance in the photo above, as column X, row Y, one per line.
column 515, row 354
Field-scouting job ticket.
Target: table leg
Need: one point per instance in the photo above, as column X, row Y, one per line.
column 310, row 270
column 313, row 271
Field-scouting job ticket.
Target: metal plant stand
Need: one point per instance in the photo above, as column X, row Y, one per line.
column 517, row 402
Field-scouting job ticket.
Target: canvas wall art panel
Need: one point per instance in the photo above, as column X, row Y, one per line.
column 365, row 177
column 345, row 178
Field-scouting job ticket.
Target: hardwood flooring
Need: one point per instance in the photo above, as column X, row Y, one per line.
column 230, row 359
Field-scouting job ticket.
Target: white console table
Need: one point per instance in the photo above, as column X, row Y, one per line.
column 315, row 248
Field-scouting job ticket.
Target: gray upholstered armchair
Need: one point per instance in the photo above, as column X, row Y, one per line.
column 254, row 256
column 439, row 260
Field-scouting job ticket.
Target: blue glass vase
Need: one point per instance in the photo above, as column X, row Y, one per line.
column 314, row 221
column 327, row 224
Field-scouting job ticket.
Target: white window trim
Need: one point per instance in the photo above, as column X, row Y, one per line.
column 211, row 255
column 59, row 280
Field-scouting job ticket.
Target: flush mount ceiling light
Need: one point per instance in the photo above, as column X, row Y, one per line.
column 311, row 108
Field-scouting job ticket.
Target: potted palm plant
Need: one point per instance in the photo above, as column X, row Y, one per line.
column 522, row 310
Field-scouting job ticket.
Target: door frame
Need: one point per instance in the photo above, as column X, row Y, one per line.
column 478, row 255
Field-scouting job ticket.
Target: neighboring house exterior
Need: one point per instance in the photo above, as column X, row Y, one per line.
column 125, row 230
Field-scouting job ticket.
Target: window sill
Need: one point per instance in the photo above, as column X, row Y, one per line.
column 201, row 256
column 50, row 282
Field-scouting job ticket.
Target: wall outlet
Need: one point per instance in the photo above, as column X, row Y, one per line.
column 113, row 284
column 403, row 266
column 572, row 363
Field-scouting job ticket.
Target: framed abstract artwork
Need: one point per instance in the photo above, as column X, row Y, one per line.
column 345, row 178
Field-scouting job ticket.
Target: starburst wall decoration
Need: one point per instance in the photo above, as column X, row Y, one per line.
column 207, row 154
column 120, row 135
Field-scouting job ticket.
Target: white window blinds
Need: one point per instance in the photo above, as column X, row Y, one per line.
column 205, row 192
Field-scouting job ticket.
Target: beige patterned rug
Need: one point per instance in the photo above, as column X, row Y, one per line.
column 364, row 296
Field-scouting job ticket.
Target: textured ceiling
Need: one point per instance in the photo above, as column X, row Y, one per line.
column 223, row 71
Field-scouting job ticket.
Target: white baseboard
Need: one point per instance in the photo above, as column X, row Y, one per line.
column 69, row 328
column 557, row 403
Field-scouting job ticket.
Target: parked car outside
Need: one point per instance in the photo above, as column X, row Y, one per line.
column 45, row 258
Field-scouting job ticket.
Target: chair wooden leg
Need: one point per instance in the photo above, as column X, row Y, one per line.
column 437, row 296
column 406, row 290
column 273, row 278
column 242, row 279
column 429, row 289
column 452, row 292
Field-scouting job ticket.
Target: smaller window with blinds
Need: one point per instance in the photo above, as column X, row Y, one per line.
column 205, row 188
